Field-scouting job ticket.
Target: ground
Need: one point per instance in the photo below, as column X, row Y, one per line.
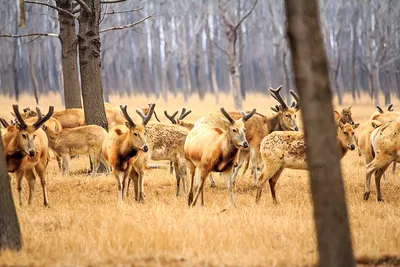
column 85, row 226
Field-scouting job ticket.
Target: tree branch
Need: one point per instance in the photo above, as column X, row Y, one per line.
column 84, row 6
column 112, row 1
column 247, row 14
column 221, row 49
column 127, row 26
column 28, row 35
column 54, row 7
column 123, row 11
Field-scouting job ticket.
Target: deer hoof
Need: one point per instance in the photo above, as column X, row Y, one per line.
column 366, row 195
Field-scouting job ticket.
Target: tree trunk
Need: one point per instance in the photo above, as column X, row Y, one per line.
column 199, row 66
column 10, row 233
column 211, row 61
column 234, row 79
column 15, row 64
column 69, row 51
column 353, row 82
column 33, row 76
column 89, row 62
column 312, row 82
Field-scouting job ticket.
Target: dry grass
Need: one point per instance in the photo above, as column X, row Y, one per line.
column 84, row 225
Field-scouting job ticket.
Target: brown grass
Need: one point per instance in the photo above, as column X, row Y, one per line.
column 84, row 225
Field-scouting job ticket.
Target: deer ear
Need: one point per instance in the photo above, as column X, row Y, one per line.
column 118, row 131
column 374, row 125
column 356, row 125
column 127, row 125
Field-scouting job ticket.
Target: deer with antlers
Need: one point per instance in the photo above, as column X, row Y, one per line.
column 210, row 148
column 280, row 150
column 25, row 147
column 179, row 121
column 385, row 142
column 344, row 116
column 123, row 149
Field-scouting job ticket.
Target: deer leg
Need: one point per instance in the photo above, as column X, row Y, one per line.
column 135, row 179
column 378, row 175
column 229, row 184
column 19, row 175
column 177, row 176
column 254, row 161
column 246, row 164
column 212, row 182
column 394, row 167
column 30, row 176
column 41, row 170
column 94, row 158
column 65, row 164
column 380, row 161
column 242, row 156
column 141, row 185
column 171, row 168
column 272, row 183
column 120, row 176
column 203, row 176
column 268, row 172
column 192, row 173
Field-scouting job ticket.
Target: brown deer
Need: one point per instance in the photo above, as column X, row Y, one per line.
column 214, row 149
column 124, row 146
column 280, row 150
column 83, row 140
column 385, row 142
column 344, row 116
column 25, row 147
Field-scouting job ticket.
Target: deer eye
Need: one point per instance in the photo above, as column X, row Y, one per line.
column 234, row 130
column 288, row 115
column 135, row 134
column 24, row 136
column 345, row 133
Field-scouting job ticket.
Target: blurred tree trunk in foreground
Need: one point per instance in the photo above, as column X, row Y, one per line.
column 10, row 234
column 311, row 77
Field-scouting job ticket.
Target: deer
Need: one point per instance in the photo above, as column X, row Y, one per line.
column 287, row 149
column 260, row 126
column 209, row 148
column 78, row 141
column 344, row 116
column 122, row 148
column 25, row 148
column 166, row 142
column 179, row 121
column 386, row 146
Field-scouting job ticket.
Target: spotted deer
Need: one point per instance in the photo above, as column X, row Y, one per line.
column 385, row 142
column 210, row 148
column 25, row 148
column 285, row 149
column 123, row 147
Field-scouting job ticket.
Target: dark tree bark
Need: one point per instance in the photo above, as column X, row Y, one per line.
column 211, row 60
column 10, row 233
column 90, row 66
column 33, row 76
column 353, row 79
column 69, row 50
column 312, row 81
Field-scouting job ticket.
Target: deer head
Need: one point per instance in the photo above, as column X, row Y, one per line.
column 287, row 115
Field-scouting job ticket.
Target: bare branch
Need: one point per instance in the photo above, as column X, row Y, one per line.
column 127, row 26
column 54, row 7
column 221, row 49
column 28, row 35
column 122, row 11
column 112, row 1
column 247, row 14
column 84, row 6
column 76, row 10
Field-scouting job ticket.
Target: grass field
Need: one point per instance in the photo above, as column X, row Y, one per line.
column 84, row 225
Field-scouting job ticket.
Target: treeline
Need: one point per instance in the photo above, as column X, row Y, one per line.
column 184, row 48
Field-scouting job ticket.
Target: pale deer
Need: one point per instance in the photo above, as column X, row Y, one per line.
column 25, row 148
column 280, row 150
column 124, row 146
column 385, row 142
column 259, row 126
column 214, row 149
column 78, row 141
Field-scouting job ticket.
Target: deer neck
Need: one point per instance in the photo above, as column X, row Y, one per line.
column 342, row 148
column 127, row 150
column 52, row 137
column 274, row 123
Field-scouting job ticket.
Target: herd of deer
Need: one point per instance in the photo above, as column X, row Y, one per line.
column 218, row 142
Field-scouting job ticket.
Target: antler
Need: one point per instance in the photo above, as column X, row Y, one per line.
column 245, row 116
column 4, row 123
column 379, row 109
column 146, row 118
column 275, row 94
column 295, row 104
column 171, row 117
column 184, row 114
column 41, row 120
column 390, row 107
column 223, row 111
column 126, row 116
column 155, row 114
column 20, row 120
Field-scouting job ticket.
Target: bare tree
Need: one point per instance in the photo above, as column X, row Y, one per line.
column 10, row 233
column 312, row 81
column 231, row 31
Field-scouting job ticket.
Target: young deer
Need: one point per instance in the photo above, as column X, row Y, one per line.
column 25, row 148
column 280, row 150
column 124, row 146
column 385, row 142
column 344, row 116
column 83, row 140
column 213, row 149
